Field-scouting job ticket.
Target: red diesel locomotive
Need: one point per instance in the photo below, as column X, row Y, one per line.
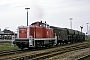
column 38, row 34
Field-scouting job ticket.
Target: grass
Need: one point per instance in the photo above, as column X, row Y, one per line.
column 88, row 40
column 7, row 46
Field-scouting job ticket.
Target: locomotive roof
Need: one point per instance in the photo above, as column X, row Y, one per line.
column 40, row 23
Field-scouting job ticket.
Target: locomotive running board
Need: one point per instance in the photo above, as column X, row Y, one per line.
column 47, row 39
column 44, row 39
column 32, row 40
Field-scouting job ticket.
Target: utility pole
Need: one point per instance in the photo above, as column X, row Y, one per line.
column 71, row 22
column 81, row 28
column 27, row 15
column 87, row 28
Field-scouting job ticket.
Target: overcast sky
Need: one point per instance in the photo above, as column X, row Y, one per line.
column 55, row 12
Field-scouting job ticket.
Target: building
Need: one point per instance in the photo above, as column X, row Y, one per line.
column 6, row 34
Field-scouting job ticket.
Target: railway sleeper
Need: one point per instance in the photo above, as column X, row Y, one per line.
column 1, row 54
column 40, row 54
column 19, row 58
column 48, row 55
column 42, row 57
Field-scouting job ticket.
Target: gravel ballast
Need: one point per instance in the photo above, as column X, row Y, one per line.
column 71, row 55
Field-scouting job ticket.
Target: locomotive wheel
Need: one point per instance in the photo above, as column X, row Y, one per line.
column 22, row 47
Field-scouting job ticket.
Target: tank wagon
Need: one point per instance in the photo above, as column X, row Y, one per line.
column 40, row 34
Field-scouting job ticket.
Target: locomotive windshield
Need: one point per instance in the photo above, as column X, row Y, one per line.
column 47, row 26
column 43, row 25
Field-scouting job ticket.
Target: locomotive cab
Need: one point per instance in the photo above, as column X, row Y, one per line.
column 41, row 30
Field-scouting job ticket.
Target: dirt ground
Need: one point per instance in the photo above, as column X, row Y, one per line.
column 71, row 55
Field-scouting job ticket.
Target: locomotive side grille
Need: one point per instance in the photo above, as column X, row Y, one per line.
column 23, row 32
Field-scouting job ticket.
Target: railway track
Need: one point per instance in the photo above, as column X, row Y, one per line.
column 43, row 54
column 8, row 52
column 58, row 51
column 5, row 41
column 15, row 51
column 83, row 57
